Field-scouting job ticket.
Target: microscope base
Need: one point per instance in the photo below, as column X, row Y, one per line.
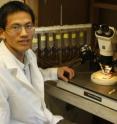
column 102, row 79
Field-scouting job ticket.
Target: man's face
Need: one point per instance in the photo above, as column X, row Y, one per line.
column 18, row 32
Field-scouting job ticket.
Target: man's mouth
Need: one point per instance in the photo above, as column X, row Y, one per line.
column 24, row 41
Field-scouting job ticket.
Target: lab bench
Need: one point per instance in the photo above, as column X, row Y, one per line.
column 81, row 102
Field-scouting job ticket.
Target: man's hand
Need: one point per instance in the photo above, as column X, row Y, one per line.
column 65, row 73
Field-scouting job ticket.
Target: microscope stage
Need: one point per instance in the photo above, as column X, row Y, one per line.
column 102, row 79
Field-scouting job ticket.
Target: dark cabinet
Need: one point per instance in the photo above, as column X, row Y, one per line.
column 49, row 12
column 75, row 11
column 104, row 11
column 61, row 12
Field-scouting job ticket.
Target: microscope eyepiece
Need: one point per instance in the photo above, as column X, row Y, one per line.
column 104, row 30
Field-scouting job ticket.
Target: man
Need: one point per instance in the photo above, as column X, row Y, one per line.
column 21, row 81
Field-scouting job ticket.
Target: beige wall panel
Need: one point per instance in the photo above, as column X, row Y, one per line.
column 5, row 1
column 34, row 4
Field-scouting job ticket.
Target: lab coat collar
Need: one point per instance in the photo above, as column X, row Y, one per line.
column 36, row 76
column 12, row 65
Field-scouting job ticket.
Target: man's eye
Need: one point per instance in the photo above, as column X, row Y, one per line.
column 15, row 27
column 28, row 26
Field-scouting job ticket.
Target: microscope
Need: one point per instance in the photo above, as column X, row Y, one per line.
column 107, row 42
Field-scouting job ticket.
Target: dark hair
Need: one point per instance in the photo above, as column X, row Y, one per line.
column 12, row 7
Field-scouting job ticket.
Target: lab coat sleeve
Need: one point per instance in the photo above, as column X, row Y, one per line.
column 49, row 73
column 5, row 109
column 16, row 122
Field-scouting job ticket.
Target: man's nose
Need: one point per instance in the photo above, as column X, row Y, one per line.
column 23, row 31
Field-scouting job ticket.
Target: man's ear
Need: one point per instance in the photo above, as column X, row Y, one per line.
column 2, row 36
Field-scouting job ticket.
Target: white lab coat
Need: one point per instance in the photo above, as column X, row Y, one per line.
column 20, row 101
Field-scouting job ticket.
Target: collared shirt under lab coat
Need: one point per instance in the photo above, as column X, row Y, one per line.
column 21, row 101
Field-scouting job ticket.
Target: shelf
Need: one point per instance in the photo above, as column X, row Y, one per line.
column 104, row 12
column 105, row 6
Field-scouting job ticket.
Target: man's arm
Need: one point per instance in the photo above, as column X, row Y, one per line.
column 49, row 73
column 5, row 108
column 16, row 122
column 65, row 73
